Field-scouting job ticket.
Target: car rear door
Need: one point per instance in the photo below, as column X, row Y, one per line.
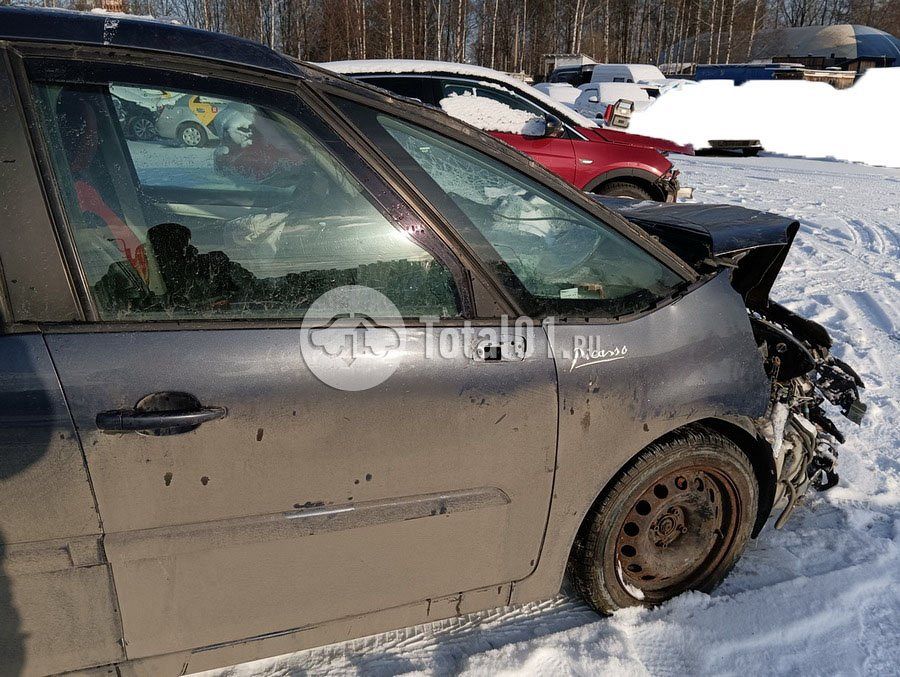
column 256, row 475
column 556, row 153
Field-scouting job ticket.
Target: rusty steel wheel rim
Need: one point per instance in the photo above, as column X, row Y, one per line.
column 677, row 531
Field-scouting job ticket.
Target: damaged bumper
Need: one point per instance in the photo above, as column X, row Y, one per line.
column 668, row 185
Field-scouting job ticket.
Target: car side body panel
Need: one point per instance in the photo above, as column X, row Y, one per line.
column 300, row 507
column 557, row 155
column 638, row 381
column 57, row 605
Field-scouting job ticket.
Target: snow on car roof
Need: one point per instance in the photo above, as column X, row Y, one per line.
column 400, row 66
column 559, row 91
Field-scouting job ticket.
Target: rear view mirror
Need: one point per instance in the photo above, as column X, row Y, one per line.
column 553, row 128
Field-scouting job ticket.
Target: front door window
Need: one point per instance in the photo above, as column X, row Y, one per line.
column 559, row 258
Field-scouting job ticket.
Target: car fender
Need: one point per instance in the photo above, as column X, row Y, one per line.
column 692, row 361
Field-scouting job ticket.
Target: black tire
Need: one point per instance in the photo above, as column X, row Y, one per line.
column 142, row 128
column 656, row 522
column 624, row 189
column 191, row 135
column 750, row 152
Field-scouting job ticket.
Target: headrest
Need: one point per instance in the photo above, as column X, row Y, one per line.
column 78, row 128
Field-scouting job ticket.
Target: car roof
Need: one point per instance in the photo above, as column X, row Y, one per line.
column 407, row 66
column 120, row 30
column 424, row 68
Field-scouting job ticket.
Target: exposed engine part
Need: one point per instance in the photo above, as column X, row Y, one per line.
column 804, row 375
column 839, row 384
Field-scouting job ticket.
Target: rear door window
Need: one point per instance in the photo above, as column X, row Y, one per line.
column 508, row 98
column 408, row 86
column 251, row 217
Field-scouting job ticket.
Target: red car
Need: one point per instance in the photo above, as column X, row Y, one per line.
column 597, row 159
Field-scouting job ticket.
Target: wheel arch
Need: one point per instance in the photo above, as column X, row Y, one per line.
column 738, row 429
column 184, row 124
column 639, row 177
column 760, row 454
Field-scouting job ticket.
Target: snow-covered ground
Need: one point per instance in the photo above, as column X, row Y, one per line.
column 822, row 596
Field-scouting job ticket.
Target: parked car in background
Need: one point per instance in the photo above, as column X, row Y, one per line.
column 138, row 121
column 596, row 97
column 595, row 158
column 646, row 76
column 573, row 75
column 189, row 120
column 559, row 91
column 626, row 72
column 601, row 113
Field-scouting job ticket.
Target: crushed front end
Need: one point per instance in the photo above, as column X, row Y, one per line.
column 804, row 376
column 796, row 352
column 669, row 186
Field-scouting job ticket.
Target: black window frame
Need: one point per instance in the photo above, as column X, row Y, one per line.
column 424, row 84
column 59, row 65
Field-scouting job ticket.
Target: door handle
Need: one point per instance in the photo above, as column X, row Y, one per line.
column 157, row 422
column 161, row 413
column 508, row 349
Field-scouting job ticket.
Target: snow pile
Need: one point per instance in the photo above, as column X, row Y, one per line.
column 491, row 115
column 809, row 119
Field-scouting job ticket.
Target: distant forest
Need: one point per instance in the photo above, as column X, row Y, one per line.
column 510, row 35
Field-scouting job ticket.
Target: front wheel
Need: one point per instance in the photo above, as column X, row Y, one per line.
column 192, row 135
column 677, row 519
column 624, row 189
column 143, row 128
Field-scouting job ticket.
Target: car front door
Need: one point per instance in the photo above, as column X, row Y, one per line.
column 256, row 474
column 555, row 153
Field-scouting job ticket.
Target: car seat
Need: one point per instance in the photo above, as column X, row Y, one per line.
column 102, row 231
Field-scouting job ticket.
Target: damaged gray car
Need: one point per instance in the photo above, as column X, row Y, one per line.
column 182, row 483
